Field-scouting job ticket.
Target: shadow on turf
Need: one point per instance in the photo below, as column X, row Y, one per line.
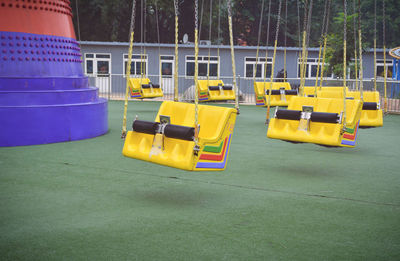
column 174, row 197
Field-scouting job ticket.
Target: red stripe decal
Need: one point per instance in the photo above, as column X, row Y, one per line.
column 351, row 136
column 214, row 157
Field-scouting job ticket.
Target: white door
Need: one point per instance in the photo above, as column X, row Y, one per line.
column 167, row 74
column 103, row 75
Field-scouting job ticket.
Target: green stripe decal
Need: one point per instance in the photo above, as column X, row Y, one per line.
column 214, row 149
column 348, row 130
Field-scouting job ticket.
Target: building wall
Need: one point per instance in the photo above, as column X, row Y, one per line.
column 117, row 50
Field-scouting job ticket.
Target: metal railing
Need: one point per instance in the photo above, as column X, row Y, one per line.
column 112, row 87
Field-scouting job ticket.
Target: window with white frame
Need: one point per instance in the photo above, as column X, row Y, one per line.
column 263, row 67
column 138, row 64
column 97, row 64
column 208, row 66
column 380, row 66
column 312, row 68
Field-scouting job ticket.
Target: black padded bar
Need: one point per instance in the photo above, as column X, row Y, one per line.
column 291, row 92
column 326, row 117
column 213, row 88
column 146, row 86
column 155, row 85
column 288, row 114
column 179, row 132
column 273, row 92
column 148, row 127
column 370, row 106
column 227, row 87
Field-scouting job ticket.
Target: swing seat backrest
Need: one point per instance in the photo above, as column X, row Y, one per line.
column 329, row 134
column 309, row 91
column 261, row 90
column 216, row 127
column 136, row 90
column 216, row 92
column 371, row 114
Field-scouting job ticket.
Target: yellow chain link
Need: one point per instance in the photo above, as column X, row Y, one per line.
column 128, row 73
column 176, row 89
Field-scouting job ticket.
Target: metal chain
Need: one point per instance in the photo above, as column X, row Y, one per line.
column 176, row 80
column 233, row 56
column 344, row 61
column 320, row 46
column 303, row 53
column 258, row 40
column 384, row 54
column 219, row 31
column 159, row 46
column 209, row 47
column 325, row 41
column 128, row 69
column 201, row 18
column 273, row 60
column 355, row 44
column 375, row 45
column 266, row 45
column 285, row 42
column 360, row 50
column 298, row 23
column 196, row 73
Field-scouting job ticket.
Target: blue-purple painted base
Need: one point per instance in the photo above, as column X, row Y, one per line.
column 40, row 124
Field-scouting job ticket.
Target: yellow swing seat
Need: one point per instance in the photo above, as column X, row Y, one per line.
column 215, row 90
column 371, row 114
column 281, row 93
column 141, row 88
column 317, row 120
column 172, row 144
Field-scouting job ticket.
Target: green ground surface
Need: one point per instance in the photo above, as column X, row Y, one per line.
column 83, row 200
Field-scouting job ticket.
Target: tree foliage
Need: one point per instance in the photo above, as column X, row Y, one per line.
column 102, row 20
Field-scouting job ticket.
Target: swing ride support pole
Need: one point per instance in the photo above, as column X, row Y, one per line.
column 128, row 67
column 273, row 61
column 176, row 88
column 232, row 56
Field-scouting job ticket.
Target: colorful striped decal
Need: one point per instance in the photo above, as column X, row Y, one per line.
column 350, row 140
column 216, row 165
column 260, row 101
column 349, row 130
column 214, row 149
column 215, row 157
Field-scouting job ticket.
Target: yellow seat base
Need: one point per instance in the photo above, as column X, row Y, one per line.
column 369, row 118
column 216, row 129
column 260, row 89
column 214, row 95
column 137, row 92
column 329, row 134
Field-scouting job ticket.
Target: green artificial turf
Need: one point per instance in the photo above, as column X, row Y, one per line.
column 83, row 200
